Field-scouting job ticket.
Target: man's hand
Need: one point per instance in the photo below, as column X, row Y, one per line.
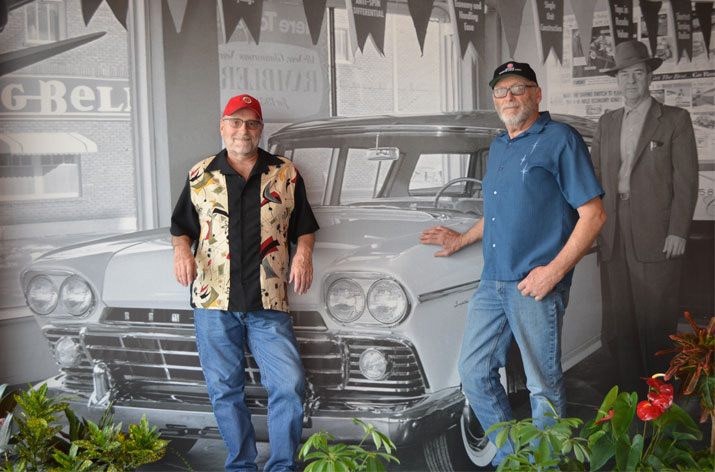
column 540, row 281
column 674, row 246
column 301, row 269
column 301, row 272
column 184, row 265
column 441, row 236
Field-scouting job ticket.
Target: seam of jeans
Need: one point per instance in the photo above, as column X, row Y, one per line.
column 489, row 369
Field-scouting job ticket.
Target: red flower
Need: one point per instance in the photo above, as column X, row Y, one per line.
column 661, row 393
column 606, row 418
column 648, row 411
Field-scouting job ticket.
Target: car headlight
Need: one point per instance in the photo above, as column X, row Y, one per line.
column 373, row 364
column 41, row 295
column 387, row 301
column 68, row 352
column 345, row 300
column 76, row 295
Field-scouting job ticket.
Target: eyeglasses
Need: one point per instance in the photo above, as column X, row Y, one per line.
column 238, row 122
column 515, row 90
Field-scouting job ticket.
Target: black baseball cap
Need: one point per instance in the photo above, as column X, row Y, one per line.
column 522, row 69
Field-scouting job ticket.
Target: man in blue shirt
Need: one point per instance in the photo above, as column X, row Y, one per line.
column 542, row 212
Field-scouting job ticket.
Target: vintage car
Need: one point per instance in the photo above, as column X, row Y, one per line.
column 379, row 330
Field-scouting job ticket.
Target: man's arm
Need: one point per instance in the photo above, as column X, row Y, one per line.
column 301, row 269
column 685, row 185
column 450, row 240
column 542, row 279
column 184, row 263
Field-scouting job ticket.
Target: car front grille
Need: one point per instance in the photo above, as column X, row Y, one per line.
column 151, row 355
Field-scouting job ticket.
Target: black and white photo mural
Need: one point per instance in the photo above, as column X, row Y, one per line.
column 385, row 108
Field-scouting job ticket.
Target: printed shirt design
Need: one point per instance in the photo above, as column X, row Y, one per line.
column 209, row 196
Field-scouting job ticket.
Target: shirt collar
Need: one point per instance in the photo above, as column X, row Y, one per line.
column 264, row 160
column 641, row 108
column 535, row 128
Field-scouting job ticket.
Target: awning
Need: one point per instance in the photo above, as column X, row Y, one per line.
column 45, row 143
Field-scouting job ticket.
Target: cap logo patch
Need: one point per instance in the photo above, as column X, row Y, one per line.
column 247, row 99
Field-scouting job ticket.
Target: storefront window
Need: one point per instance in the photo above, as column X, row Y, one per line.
column 44, row 20
column 32, row 177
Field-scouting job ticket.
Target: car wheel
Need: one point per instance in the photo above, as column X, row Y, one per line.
column 463, row 447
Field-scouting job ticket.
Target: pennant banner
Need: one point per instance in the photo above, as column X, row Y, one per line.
column 549, row 19
column 177, row 8
column 120, row 9
column 650, row 10
column 704, row 14
column 583, row 11
column 683, row 15
column 250, row 11
column 621, row 15
column 89, row 8
column 510, row 12
column 314, row 13
column 369, row 19
column 469, row 21
column 420, row 11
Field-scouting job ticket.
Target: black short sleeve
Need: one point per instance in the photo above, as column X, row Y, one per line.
column 302, row 220
column 184, row 219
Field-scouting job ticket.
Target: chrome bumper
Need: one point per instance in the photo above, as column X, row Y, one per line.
column 439, row 411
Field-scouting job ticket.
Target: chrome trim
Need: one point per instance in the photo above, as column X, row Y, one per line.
column 425, row 297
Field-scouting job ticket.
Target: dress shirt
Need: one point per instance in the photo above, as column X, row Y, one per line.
column 631, row 128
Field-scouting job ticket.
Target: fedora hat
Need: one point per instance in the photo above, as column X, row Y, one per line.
column 633, row 52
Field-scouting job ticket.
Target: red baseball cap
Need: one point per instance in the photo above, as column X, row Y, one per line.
column 242, row 101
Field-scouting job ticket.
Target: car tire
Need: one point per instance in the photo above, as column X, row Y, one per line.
column 463, row 447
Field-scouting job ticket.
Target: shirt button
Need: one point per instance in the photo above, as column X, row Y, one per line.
column 494, row 245
column 495, row 192
column 493, row 218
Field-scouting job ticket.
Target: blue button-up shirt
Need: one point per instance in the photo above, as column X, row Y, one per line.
column 533, row 185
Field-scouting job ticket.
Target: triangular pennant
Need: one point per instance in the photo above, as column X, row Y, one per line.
column 369, row 20
column 251, row 14
column 420, row 11
column 621, row 15
column 704, row 14
column 549, row 21
column 120, row 9
column 89, row 8
column 510, row 12
column 314, row 13
column 650, row 10
column 177, row 8
column 583, row 11
column 683, row 19
column 469, row 19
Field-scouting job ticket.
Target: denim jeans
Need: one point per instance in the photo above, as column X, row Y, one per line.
column 497, row 314
column 220, row 338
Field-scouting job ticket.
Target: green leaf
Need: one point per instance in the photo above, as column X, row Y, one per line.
column 634, row 456
column 607, row 402
column 502, row 437
column 544, row 450
column 623, row 448
column 624, row 410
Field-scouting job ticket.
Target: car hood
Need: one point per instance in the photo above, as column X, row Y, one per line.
column 139, row 267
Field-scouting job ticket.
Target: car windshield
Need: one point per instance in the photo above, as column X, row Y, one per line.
column 403, row 172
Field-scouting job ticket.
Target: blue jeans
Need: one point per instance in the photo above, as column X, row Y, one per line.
column 220, row 338
column 498, row 313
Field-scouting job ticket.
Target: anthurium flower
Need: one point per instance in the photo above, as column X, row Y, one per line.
column 648, row 411
column 606, row 418
column 661, row 393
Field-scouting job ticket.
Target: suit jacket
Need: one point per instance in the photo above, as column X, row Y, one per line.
column 664, row 179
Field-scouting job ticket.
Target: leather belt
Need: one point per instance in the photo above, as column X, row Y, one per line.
column 624, row 196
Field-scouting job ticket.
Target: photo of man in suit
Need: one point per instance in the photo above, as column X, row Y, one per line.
column 645, row 156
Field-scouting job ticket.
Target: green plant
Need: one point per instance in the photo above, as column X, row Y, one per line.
column 341, row 457
column 7, row 405
column 539, row 449
column 613, row 434
column 41, row 444
column 694, row 365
